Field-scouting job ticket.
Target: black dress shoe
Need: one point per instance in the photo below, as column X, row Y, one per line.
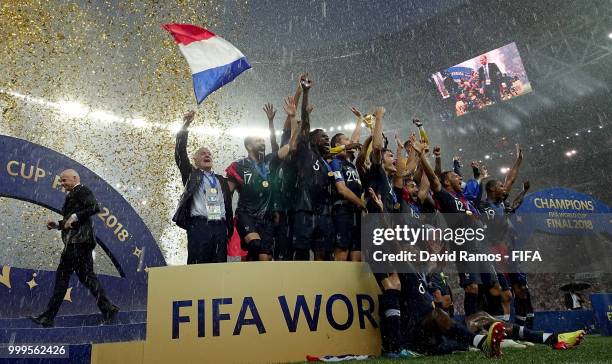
column 43, row 321
column 109, row 316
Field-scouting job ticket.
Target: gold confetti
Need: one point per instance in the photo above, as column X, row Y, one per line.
column 112, row 57
column 32, row 282
column 67, row 296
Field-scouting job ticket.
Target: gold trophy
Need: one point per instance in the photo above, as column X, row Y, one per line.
column 369, row 120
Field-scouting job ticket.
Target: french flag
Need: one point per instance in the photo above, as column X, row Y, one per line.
column 213, row 60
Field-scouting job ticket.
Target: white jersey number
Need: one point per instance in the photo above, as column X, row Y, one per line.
column 421, row 288
column 351, row 175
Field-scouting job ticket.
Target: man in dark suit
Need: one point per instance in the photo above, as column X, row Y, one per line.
column 79, row 242
column 205, row 208
column 489, row 79
column 574, row 300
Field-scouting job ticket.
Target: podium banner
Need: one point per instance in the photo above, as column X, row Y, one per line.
column 602, row 310
column 261, row 312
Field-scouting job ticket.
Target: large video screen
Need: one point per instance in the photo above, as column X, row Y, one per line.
column 489, row 78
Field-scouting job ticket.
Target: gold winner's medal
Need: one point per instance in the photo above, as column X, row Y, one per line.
column 396, row 206
column 265, row 184
column 213, row 190
column 469, row 212
column 330, row 173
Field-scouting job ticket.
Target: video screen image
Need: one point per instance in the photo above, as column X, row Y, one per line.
column 492, row 77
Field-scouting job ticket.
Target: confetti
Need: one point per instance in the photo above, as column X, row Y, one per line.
column 113, row 57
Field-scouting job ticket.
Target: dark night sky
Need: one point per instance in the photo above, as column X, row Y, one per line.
column 370, row 53
column 312, row 24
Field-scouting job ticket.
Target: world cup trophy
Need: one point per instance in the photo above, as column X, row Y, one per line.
column 369, row 120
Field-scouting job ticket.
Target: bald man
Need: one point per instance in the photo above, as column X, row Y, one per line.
column 205, row 208
column 79, row 242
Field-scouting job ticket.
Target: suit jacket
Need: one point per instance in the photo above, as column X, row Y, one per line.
column 569, row 302
column 192, row 177
column 495, row 75
column 81, row 202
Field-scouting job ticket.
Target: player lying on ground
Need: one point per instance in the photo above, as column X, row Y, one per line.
column 481, row 321
column 428, row 330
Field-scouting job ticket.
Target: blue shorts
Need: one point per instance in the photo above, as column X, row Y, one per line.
column 347, row 224
column 485, row 279
column 247, row 224
column 313, row 232
column 283, row 232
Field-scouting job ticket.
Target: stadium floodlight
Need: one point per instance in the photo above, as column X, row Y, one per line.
column 174, row 127
column 239, row 132
column 105, row 116
column 73, row 109
column 214, row 131
column 139, row 122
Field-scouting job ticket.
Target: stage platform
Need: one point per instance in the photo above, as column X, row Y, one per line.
column 273, row 312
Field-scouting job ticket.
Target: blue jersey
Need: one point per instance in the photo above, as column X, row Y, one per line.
column 345, row 171
column 377, row 179
column 498, row 225
column 414, row 209
column 437, row 282
column 416, row 300
column 314, row 179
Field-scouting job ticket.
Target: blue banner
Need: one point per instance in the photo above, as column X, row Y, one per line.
column 458, row 73
column 561, row 211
